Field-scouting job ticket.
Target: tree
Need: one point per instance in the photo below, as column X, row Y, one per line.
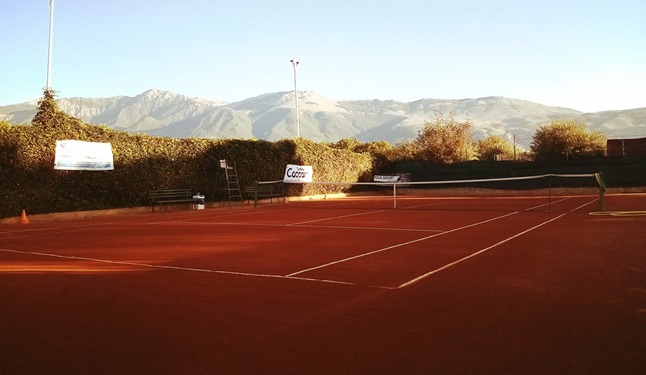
column 445, row 140
column 47, row 109
column 565, row 140
column 489, row 147
column 405, row 150
column 57, row 122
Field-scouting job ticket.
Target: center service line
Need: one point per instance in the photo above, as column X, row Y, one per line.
column 400, row 245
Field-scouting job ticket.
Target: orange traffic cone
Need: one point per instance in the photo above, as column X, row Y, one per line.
column 23, row 218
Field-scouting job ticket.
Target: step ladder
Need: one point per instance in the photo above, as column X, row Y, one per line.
column 233, row 186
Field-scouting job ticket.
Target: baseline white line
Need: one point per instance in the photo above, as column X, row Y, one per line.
column 400, row 245
column 419, row 278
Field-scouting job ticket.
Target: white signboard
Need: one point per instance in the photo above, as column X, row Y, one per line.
column 298, row 173
column 383, row 178
column 83, row 156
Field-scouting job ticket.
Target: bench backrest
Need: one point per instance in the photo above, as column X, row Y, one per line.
column 170, row 194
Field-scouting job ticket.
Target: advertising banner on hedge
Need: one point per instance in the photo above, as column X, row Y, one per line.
column 298, row 174
column 386, row 178
column 83, row 156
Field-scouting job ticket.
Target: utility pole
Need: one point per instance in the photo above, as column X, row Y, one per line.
column 295, row 62
column 514, row 137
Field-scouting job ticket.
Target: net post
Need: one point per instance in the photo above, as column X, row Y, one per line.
column 255, row 193
column 602, row 190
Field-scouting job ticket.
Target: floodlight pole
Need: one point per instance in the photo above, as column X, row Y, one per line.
column 49, row 47
column 295, row 62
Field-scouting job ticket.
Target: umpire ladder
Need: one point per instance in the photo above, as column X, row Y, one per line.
column 233, row 186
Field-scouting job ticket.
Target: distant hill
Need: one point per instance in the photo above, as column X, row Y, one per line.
column 272, row 117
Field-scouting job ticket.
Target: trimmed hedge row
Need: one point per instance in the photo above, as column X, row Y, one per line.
column 143, row 162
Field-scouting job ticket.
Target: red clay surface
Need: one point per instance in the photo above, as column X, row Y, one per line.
column 434, row 287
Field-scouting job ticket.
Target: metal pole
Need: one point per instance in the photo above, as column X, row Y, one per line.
column 514, row 147
column 295, row 62
column 49, row 48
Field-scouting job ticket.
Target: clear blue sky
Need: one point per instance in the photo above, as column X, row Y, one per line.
column 586, row 55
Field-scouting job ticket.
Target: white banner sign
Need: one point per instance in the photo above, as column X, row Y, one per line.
column 83, row 156
column 383, row 178
column 298, row 173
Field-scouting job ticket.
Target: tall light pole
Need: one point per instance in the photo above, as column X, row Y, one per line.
column 295, row 62
column 49, row 47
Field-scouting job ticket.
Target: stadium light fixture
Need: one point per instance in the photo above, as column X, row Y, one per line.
column 295, row 62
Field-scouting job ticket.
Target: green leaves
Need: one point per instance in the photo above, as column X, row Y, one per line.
column 567, row 140
column 494, row 147
column 445, row 140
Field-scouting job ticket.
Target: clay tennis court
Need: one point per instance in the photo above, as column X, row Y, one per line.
column 499, row 285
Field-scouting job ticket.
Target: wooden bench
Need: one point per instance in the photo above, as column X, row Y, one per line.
column 260, row 191
column 170, row 196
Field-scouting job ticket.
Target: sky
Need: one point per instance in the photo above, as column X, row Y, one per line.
column 587, row 55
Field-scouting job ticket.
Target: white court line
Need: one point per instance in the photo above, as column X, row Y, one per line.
column 400, row 244
column 369, row 228
column 422, row 205
column 547, row 204
column 304, row 224
column 178, row 268
column 74, row 228
column 292, row 275
column 415, row 280
column 313, row 226
column 337, row 217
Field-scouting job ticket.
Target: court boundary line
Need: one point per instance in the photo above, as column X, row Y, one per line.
column 337, row 217
column 309, row 226
column 191, row 269
column 417, row 240
column 449, row 265
column 58, row 229
column 400, row 244
column 293, row 276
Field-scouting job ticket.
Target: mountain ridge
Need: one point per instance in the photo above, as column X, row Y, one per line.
column 271, row 116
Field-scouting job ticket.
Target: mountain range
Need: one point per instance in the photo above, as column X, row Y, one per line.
column 273, row 117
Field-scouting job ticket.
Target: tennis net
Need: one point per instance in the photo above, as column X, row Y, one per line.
column 547, row 190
